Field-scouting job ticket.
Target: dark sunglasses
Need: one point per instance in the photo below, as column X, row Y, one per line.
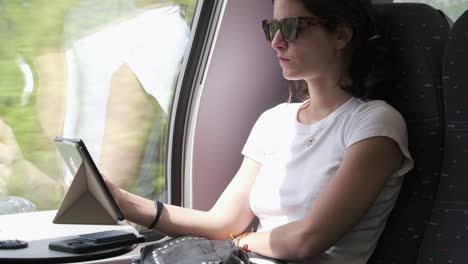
column 289, row 27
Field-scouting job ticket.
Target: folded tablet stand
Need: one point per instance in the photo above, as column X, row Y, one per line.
column 86, row 201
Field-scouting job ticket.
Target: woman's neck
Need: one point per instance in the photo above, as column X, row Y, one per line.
column 324, row 100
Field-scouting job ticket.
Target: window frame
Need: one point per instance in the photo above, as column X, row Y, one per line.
column 207, row 18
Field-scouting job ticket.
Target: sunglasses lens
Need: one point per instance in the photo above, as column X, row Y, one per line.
column 269, row 29
column 289, row 30
column 272, row 29
column 267, row 34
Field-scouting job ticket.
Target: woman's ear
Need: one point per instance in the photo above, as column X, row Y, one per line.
column 343, row 36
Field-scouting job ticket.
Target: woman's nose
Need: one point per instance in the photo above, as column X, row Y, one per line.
column 278, row 42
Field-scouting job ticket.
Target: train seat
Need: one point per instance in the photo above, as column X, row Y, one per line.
column 408, row 75
column 446, row 236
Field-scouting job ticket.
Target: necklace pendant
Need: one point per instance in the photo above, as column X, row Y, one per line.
column 310, row 141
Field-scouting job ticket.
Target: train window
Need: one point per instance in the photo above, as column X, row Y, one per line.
column 452, row 8
column 104, row 71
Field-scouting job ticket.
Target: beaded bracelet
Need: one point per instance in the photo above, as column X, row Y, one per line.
column 236, row 240
column 159, row 208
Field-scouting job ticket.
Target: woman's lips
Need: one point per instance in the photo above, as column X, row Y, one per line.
column 282, row 59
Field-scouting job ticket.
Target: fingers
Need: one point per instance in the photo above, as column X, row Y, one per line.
column 105, row 178
column 107, row 181
column 109, row 184
column 115, row 191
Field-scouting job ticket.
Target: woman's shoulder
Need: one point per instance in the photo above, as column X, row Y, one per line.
column 376, row 112
column 375, row 108
column 374, row 104
column 375, row 118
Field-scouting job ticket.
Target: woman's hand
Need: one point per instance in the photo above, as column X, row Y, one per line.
column 116, row 192
column 135, row 209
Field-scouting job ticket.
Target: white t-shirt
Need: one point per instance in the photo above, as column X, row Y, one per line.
column 298, row 161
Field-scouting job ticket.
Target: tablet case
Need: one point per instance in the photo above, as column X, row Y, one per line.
column 86, row 201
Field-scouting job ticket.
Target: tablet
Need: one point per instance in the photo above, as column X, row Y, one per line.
column 88, row 200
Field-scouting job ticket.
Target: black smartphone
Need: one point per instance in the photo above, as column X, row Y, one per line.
column 98, row 241
column 106, row 236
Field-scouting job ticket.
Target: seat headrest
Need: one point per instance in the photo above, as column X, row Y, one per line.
column 455, row 77
column 449, row 217
column 407, row 72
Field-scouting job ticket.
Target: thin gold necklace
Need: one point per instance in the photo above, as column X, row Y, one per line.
column 325, row 123
column 313, row 138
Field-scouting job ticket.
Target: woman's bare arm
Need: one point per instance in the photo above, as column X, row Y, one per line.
column 230, row 214
column 349, row 194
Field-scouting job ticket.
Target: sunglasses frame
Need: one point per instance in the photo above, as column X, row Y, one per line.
column 297, row 23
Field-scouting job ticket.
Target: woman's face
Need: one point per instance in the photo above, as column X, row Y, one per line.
column 315, row 51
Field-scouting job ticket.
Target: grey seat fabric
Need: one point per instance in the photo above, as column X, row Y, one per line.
column 446, row 238
column 408, row 75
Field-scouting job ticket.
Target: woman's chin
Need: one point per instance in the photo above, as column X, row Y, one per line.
column 290, row 76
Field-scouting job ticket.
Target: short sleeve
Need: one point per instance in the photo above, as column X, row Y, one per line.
column 254, row 147
column 377, row 118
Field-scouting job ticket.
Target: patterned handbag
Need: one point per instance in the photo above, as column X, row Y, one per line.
column 193, row 250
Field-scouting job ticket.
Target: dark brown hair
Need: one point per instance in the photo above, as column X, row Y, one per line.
column 359, row 16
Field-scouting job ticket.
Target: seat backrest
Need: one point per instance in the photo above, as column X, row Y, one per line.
column 409, row 59
column 446, row 238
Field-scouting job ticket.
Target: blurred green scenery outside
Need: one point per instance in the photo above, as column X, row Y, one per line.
column 39, row 38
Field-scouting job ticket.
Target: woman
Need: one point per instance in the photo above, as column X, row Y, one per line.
column 321, row 175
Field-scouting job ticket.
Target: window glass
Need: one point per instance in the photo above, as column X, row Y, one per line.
column 452, row 8
column 104, row 71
